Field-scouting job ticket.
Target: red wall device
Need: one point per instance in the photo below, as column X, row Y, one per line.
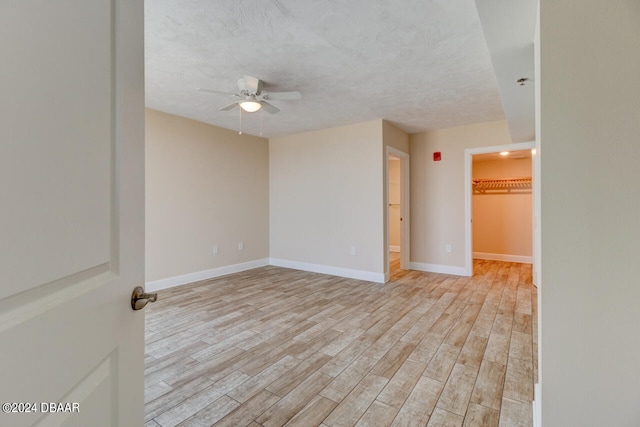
column 437, row 156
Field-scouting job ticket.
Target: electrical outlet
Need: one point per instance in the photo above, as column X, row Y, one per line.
column 215, row 249
column 353, row 250
column 240, row 245
column 448, row 248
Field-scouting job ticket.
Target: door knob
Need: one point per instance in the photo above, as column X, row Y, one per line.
column 139, row 298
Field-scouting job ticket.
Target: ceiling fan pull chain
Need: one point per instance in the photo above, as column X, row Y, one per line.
column 261, row 113
column 240, row 115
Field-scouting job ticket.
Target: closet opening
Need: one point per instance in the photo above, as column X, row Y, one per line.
column 502, row 208
column 499, row 205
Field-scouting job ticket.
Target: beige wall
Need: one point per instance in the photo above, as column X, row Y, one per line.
column 590, row 128
column 394, row 137
column 502, row 221
column 502, row 168
column 320, row 192
column 205, row 186
column 325, row 198
column 438, row 190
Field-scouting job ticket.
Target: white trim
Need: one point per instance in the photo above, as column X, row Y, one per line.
column 405, row 206
column 468, row 243
column 394, row 248
column 369, row 276
column 171, row 282
column 468, row 163
column 503, row 257
column 537, row 408
column 437, row 268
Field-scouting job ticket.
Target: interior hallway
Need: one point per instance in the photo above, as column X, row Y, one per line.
column 273, row 347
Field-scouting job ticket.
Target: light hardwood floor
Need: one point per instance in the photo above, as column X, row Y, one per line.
column 274, row 347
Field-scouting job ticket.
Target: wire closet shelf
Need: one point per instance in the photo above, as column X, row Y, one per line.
column 506, row 185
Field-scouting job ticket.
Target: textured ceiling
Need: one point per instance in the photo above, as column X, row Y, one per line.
column 420, row 64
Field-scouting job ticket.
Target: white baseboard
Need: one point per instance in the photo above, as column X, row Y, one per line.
column 503, row 257
column 437, row 268
column 537, row 411
column 369, row 276
column 170, row 282
column 394, row 248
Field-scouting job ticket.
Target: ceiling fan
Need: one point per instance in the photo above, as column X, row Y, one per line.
column 252, row 98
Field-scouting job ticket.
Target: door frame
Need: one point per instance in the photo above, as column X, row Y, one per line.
column 405, row 224
column 468, row 227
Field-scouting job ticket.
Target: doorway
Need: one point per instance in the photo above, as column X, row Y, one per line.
column 469, row 154
column 501, row 211
column 397, row 224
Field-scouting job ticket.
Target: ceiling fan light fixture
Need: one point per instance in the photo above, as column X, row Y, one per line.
column 250, row 105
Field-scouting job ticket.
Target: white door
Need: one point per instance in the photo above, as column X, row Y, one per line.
column 71, row 212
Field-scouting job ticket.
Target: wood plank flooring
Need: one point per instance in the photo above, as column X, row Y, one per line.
column 275, row 347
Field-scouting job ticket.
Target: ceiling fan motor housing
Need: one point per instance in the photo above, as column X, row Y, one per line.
column 253, row 87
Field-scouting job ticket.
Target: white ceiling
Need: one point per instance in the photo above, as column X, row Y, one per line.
column 509, row 28
column 420, row 64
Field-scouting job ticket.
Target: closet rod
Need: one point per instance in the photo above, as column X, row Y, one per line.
column 501, row 185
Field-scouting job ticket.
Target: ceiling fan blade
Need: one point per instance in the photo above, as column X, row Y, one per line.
column 218, row 92
column 269, row 108
column 282, row 95
column 229, row 107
